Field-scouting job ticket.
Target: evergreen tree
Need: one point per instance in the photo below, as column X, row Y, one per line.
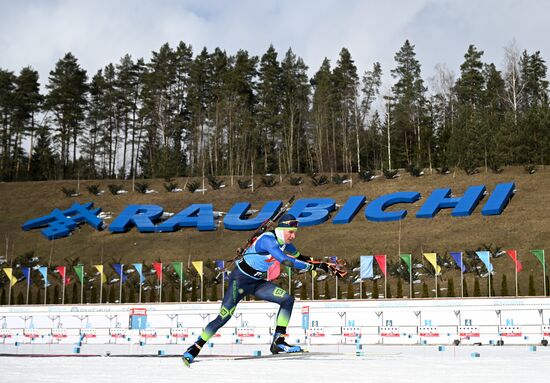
column 425, row 292
column 132, row 295
column 214, row 293
column 303, row 292
column 409, row 111
column 93, row 295
column 351, row 291
column 451, row 288
column 38, row 298
column 111, row 298
column 504, row 287
column 327, row 291
column 375, row 293
column 465, row 142
column 532, row 290
column 172, row 297
column 67, row 100
column 194, row 297
column 477, row 289
column 399, row 288
column 75, row 298
column 466, row 294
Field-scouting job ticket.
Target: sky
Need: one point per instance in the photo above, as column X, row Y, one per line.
column 38, row 33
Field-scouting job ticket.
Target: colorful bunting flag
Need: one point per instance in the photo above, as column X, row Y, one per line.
column 457, row 256
column 539, row 254
column 381, row 260
column 485, row 258
column 158, row 269
column 9, row 273
column 27, row 274
column 139, row 269
column 432, row 258
column 514, row 255
column 198, row 266
column 119, row 269
column 366, row 267
column 178, row 266
column 99, row 268
column 62, row 270
column 79, row 270
column 407, row 258
column 44, row 271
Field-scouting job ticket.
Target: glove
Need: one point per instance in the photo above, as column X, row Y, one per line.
column 321, row 266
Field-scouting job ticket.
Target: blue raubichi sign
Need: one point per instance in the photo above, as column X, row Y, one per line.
column 308, row 211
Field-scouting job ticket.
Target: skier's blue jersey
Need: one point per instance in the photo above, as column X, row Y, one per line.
column 268, row 248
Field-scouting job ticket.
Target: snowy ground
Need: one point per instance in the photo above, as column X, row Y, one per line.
column 323, row 364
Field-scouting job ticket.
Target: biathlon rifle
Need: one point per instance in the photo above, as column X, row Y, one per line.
column 267, row 225
column 338, row 269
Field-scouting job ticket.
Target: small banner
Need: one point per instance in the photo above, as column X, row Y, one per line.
column 198, row 266
column 366, row 266
column 432, row 258
column 9, row 273
column 158, row 269
column 381, row 260
column 457, row 256
column 101, row 273
column 27, row 274
column 139, row 269
column 539, row 254
column 79, row 270
column 119, row 269
column 485, row 257
column 44, row 271
column 407, row 258
column 178, row 266
column 514, row 255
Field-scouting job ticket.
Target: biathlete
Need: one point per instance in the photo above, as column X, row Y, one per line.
column 248, row 277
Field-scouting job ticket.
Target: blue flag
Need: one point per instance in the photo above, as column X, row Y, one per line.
column 220, row 264
column 333, row 259
column 119, row 270
column 139, row 269
column 27, row 274
column 366, row 266
column 457, row 256
column 485, row 258
column 44, row 271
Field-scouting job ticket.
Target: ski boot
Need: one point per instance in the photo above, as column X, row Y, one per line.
column 279, row 345
column 191, row 353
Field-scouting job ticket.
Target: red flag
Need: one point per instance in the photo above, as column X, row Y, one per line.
column 158, row 268
column 381, row 260
column 514, row 255
column 274, row 271
column 61, row 270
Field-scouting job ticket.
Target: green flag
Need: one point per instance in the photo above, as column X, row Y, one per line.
column 540, row 256
column 407, row 259
column 178, row 266
column 79, row 269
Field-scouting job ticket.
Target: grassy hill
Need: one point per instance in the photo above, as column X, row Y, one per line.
column 524, row 225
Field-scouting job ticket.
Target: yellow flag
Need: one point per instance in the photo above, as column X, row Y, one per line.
column 100, row 269
column 198, row 266
column 432, row 258
column 314, row 273
column 9, row 273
